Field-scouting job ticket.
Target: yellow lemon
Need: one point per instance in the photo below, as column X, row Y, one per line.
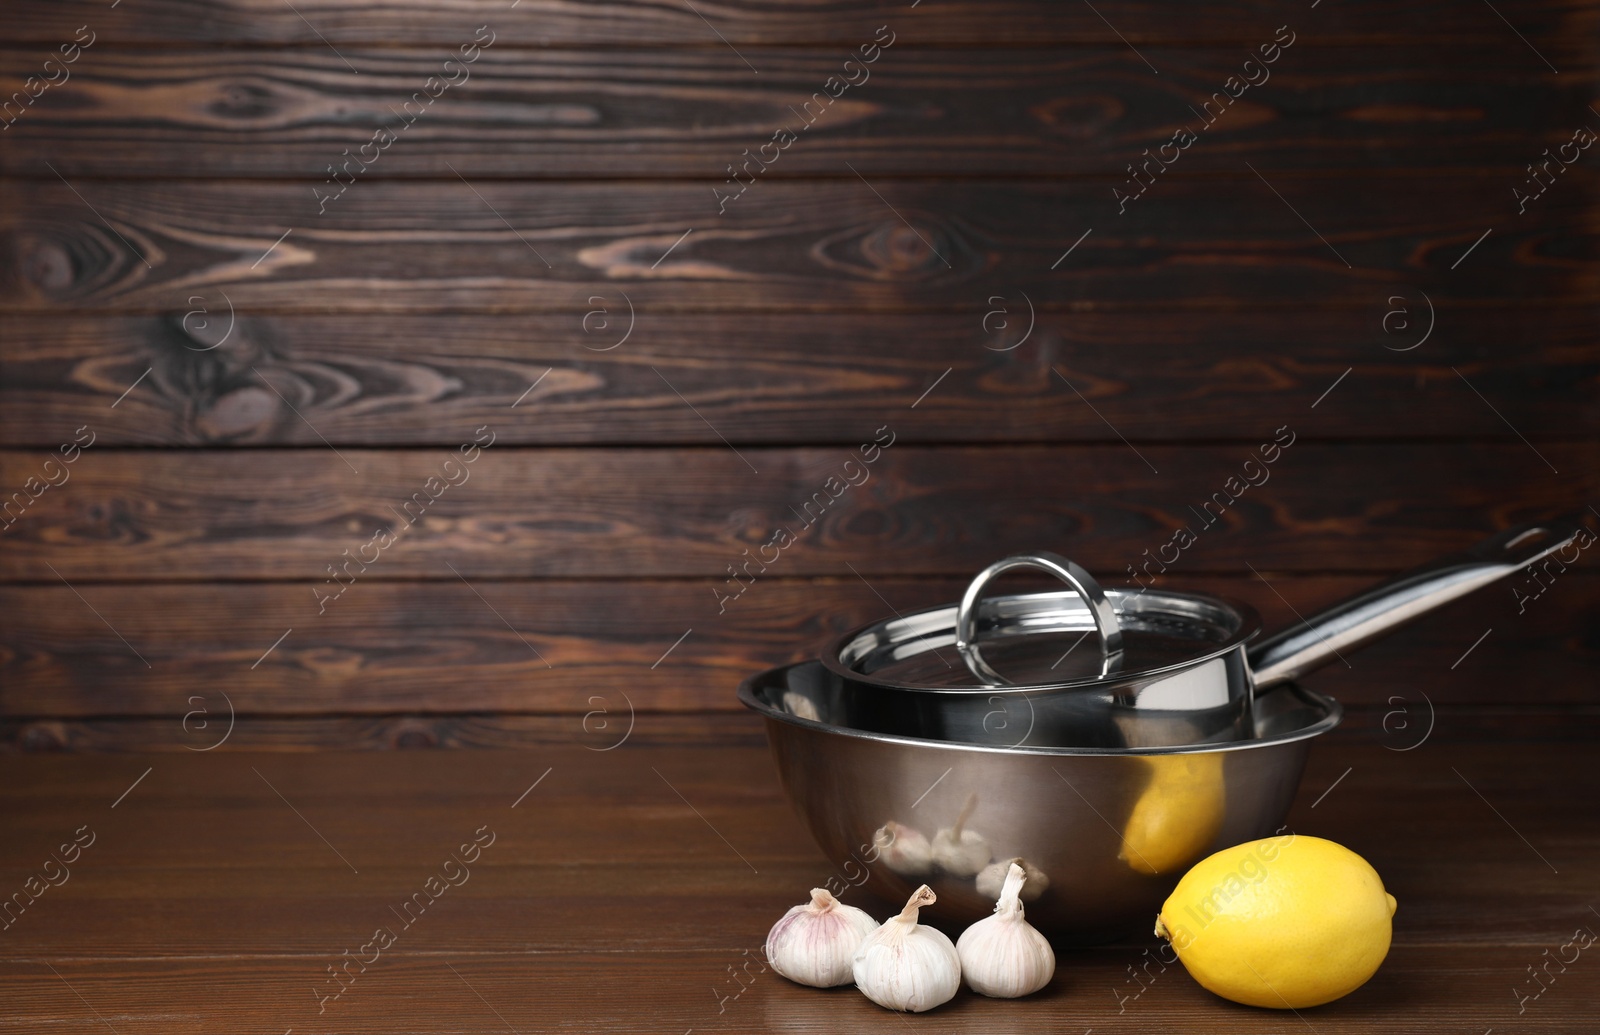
column 1177, row 815
column 1284, row 922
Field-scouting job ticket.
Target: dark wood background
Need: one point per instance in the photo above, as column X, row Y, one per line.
column 876, row 275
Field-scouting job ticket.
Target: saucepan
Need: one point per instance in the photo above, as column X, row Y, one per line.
column 1119, row 668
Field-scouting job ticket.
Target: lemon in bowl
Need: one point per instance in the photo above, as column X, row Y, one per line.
column 1177, row 815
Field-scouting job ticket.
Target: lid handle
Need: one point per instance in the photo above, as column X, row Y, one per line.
column 1104, row 615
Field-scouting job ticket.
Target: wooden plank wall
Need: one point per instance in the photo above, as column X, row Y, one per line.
column 455, row 439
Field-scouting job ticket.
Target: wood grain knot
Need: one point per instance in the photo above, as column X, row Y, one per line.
column 1078, row 117
column 45, row 264
column 69, row 260
column 40, row 737
column 237, row 414
column 205, row 366
column 244, row 101
column 919, row 249
column 413, row 733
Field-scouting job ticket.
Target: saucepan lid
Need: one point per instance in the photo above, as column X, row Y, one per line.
column 1086, row 636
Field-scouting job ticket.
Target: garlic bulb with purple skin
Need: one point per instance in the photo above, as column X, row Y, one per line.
column 813, row 944
column 904, row 965
column 1002, row 955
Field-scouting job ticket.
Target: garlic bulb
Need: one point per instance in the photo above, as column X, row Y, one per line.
column 904, row 965
column 961, row 853
column 801, row 705
column 1002, row 955
column 993, row 878
column 903, row 849
column 813, row 944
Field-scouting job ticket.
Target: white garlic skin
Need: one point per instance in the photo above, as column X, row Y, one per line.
column 904, row 850
column 961, row 853
column 801, row 705
column 814, row 944
column 958, row 851
column 904, row 965
column 1002, row 955
column 993, row 878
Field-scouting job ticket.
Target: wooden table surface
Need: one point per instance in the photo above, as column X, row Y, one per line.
column 622, row 891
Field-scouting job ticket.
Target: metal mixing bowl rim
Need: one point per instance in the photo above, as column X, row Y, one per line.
column 1334, row 714
column 833, row 658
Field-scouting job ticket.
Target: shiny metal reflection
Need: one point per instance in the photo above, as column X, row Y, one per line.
column 1112, row 828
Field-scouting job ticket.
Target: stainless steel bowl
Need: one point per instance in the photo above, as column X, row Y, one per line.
column 1105, row 833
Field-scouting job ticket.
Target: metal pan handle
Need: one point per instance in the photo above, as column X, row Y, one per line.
column 1105, row 616
column 1384, row 608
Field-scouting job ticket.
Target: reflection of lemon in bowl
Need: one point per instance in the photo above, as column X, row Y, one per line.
column 1284, row 922
column 1177, row 815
